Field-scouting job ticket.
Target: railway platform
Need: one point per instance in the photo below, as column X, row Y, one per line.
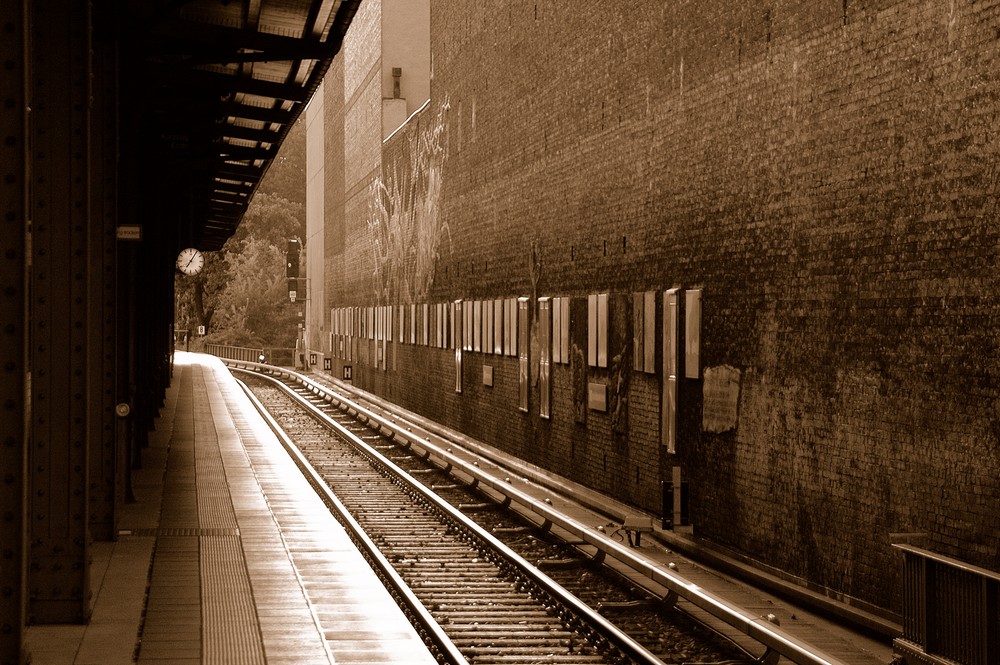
column 226, row 555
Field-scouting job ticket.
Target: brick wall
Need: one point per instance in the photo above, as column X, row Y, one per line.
column 826, row 172
column 333, row 173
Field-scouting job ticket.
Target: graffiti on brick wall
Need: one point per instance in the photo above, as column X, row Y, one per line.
column 405, row 227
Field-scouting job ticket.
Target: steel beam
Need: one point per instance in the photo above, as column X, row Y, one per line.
column 106, row 472
column 58, row 577
column 14, row 406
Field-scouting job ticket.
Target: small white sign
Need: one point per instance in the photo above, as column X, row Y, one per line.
column 129, row 232
column 201, row 330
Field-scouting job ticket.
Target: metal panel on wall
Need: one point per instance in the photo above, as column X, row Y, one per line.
column 544, row 356
column 638, row 339
column 426, row 325
column 597, row 330
column 668, row 407
column 498, row 327
column 556, row 327
column 692, row 334
column 457, row 320
column 649, row 332
column 522, row 373
column 563, row 330
column 487, row 326
column 477, row 325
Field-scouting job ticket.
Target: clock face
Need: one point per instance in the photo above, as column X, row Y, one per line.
column 190, row 261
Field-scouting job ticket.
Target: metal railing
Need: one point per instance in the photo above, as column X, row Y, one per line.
column 950, row 608
column 272, row 355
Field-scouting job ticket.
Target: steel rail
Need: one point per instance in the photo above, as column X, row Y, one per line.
column 595, row 621
column 446, row 651
column 775, row 640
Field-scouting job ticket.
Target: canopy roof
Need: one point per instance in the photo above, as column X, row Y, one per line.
column 212, row 87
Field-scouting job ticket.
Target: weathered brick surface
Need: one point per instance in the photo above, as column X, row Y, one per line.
column 826, row 172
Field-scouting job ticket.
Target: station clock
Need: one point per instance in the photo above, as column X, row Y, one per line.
column 190, row 261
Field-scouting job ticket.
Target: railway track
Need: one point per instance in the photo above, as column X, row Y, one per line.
column 492, row 604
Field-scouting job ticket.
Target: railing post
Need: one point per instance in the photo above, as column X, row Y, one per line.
column 951, row 610
column 991, row 621
column 926, row 591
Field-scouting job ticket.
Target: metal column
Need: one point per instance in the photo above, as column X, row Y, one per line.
column 58, row 578
column 106, row 470
column 13, row 370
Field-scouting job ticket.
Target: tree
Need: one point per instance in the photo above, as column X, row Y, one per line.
column 241, row 296
column 286, row 177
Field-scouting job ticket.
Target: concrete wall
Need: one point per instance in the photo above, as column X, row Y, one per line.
column 317, row 313
column 826, row 173
column 405, row 45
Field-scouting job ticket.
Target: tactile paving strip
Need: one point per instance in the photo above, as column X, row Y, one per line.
column 288, row 628
column 179, row 532
column 231, row 631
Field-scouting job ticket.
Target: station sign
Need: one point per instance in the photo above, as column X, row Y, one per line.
column 129, row 232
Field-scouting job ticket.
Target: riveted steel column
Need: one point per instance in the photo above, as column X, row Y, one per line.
column 14, row 407
column 58, row 584
column 106, row 479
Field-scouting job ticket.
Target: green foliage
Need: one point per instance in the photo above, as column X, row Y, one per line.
column 286, row 177
column 253, row 304
column 241, row 296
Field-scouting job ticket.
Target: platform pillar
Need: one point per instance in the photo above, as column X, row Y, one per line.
column 106, row 472
column 13, row 399
column 58, row 575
